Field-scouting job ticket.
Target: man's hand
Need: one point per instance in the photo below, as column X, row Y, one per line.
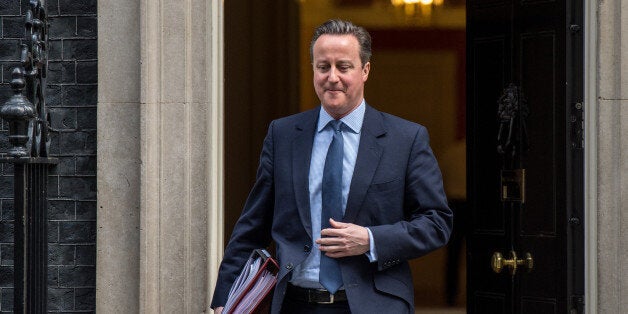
column 343, row 239
column 219, row 309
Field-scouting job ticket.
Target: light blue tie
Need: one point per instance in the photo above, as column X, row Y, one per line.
column 330, row 276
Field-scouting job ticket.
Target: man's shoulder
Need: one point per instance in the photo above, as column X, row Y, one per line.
column 308, row 116
column 391, row 121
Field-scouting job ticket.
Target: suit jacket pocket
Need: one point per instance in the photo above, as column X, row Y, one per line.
column 384, row 202
column 388, row 185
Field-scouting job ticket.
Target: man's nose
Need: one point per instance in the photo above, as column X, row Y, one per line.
column 333, row 75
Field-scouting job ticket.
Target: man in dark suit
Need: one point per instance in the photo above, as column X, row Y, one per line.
column 347, row 193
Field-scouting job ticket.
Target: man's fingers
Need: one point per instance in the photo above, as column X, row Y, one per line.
column 337, row 224
column 343, row 239
column 331, row 242
column 331, row 233
column 337, row 228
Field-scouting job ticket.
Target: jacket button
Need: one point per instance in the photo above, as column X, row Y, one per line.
column 289, row 266
column 307, row 248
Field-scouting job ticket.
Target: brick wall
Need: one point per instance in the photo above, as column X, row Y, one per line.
column 71, row 97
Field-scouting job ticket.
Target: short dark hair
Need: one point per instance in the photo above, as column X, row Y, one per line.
column 340, row 27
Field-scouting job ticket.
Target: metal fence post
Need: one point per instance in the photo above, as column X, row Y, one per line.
column 29, row 126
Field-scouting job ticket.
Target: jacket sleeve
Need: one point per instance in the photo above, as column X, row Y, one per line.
column 428, row 220
column 253, row 228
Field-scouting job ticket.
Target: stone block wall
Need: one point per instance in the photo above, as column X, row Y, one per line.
column 71, row 99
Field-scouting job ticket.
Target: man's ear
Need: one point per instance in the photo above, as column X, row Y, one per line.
column 365, row 71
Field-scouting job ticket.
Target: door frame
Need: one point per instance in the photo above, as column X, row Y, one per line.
column 216, row 168
column 590, row 150
column 590, row 155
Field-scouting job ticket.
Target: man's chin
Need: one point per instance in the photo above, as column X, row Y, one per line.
column 333, row 106
column 335, row 102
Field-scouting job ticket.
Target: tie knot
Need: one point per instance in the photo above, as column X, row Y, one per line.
column 335, row 124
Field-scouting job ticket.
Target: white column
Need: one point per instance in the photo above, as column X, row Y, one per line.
column 160, row 147
column 181, row 149
column 612, row 158
column 118, row 161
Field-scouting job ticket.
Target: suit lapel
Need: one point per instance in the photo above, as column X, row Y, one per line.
column 301, row 156
column 369, row 154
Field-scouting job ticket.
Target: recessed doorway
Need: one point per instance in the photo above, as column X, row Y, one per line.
column 418, row 73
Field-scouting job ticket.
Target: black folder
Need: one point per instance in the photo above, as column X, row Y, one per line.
column 251, row 291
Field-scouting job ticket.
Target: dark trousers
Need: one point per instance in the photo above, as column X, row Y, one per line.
column 291, row 306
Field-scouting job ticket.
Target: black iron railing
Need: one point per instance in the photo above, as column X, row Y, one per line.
column 29, row 126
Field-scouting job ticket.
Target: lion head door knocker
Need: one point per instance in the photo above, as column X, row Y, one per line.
column 512, row 111
column 512, row 140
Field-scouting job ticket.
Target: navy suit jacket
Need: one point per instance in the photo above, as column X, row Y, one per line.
column 396, row 191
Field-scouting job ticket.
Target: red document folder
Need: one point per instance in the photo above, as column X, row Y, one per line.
column 251, row 291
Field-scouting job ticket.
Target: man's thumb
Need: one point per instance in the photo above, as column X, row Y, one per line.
column 336, row 224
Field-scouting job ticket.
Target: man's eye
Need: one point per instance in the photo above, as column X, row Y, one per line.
column 322, row 67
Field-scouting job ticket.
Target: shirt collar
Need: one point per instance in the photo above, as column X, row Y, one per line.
column 353, row 120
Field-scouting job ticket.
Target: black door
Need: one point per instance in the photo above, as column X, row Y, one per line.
column 525, row 166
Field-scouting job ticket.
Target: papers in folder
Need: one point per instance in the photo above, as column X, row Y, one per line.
column 252, row 288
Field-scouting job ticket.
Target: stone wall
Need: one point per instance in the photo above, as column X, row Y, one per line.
column 612, row 156
column 71, row 97
column 118, row 241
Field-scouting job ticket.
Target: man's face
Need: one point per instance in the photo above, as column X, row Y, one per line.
column 339, row 75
